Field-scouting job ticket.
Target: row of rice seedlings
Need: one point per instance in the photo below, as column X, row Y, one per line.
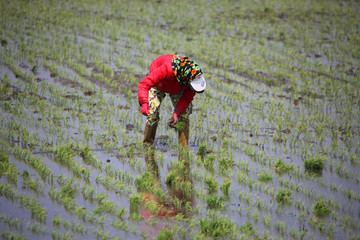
column 36, row 105
column 57, row 96
column 312, row 164
column 10, row 235
column 17, row 133
column 217, row 226
column 8, row 169
column 37, row 211
column 55, row 53
column 58, row 236
column 110, row 183
column 26, row 156
column 281, row 196
column 66, row 197
column 64, row 156
column 35, row 185
column 13, row 223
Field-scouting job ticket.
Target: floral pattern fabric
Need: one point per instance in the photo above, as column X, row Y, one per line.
column 155, row 99
column 185, row 70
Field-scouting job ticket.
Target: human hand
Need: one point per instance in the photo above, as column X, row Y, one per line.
column 145, row 110
column 175, row 118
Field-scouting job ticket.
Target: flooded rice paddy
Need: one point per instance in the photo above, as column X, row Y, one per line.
column 274, row 141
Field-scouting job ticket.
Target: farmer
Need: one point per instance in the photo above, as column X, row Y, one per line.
column 181, row 78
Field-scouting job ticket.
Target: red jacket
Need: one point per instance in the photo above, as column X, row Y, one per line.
column 163, row 78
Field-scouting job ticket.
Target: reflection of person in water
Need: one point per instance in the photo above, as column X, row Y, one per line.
column 178, row 201
column 179, row 186
column 181, row 78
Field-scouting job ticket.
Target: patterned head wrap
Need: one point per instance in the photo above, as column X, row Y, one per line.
column 185, row 70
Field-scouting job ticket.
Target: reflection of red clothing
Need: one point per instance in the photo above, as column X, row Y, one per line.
column 163, row 78
column 163, row 211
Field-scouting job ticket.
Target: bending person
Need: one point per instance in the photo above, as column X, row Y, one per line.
column 181, row 78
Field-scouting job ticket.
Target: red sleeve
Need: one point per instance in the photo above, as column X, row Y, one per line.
column 185, row 100
column 151, row 80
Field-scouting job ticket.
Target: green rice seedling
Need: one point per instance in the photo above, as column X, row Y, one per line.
column 146, row 183
column 320, row 208
column 259, row 203
column 321, row 226
column 66, row 224
column 280, row 166
column 81, row 212
column 131, row 152
column 243, row 196
column 242, row 178
column 315, row 163
column 13, row 223
column 165, row 234
column 102, row 235
column 98, row 211
column 34, row 185
column 256, row 216
column 294, row 233
column 135, row 201
column 120, row 212
column 57, row 221
column 209, row 161
column 225, row 163
column 37, row 211
column 171, row 178
column 249, row 211
column 7, row 168
column 100, row 197
column 281, row 226
column 36, row 228
column 120, row 225
column 153, row 207
column 211, row 183
column 179, row 126
column 330, row 230
column 135, row 217
column 214, row 202
column 251, row 184
column 4, row 158
column 67, row 191
column 64, row 155
column 265, row 177
column 88, row 192
column 202, row 150
column 215, row 226
column 89, row 158
column 11, row 171
column 108, row 206
column 7, row 235
column 247, row 229
column 266, row 220
column 225, row 186
column 283, row 196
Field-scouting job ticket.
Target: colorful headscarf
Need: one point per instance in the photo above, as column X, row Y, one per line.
column 185, row 70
